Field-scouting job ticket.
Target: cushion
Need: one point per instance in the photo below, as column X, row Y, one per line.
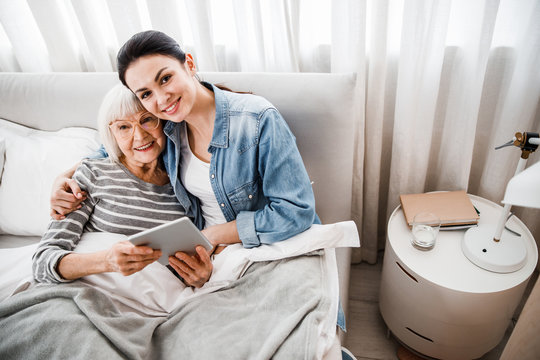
column 33, row 159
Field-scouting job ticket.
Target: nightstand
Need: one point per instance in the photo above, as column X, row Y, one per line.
column 439, row 303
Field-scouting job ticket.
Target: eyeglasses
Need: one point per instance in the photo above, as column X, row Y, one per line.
column 125, row 128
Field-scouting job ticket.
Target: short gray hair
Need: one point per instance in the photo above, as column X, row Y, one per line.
column 118, row 103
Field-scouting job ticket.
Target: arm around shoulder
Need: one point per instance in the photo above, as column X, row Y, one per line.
column 66, row 195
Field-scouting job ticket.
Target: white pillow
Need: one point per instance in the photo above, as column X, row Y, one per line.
column 33, row 159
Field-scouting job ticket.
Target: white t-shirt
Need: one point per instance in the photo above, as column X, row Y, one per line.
column 195, row 175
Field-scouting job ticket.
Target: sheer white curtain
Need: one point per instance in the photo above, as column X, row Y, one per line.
column 446, row 82
column 439, row 82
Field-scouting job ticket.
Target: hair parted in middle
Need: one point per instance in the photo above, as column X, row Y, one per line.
column 150, row 42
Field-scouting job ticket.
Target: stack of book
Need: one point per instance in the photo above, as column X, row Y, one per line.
column 454, row 208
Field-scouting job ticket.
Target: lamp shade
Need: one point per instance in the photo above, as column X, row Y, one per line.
column 524, row 188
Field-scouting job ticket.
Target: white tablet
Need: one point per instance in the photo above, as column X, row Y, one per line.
column 177, row 235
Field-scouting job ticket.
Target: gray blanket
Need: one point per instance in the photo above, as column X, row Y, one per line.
column 271, row 312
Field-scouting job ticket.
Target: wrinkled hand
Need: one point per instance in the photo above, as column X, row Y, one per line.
column 66, row 196
column 194, row 269
column 127, row 259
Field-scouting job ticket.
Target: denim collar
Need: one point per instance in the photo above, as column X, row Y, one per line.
column 220, row 137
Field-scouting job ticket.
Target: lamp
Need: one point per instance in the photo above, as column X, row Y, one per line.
column 487, row 245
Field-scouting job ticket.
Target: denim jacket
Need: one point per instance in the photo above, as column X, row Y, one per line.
column 256, row 171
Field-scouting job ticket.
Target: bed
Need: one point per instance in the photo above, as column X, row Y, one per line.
column 270, row 302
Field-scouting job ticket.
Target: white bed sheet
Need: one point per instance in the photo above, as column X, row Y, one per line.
column 141, row 292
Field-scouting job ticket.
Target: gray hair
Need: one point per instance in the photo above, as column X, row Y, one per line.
column 118, row 103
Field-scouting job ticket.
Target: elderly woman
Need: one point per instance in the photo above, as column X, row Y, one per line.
column 125, row 193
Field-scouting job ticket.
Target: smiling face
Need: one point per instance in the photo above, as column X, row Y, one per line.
column 139, row 147
column 166, row 87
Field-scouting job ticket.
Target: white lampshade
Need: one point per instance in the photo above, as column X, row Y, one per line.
column 524, row 188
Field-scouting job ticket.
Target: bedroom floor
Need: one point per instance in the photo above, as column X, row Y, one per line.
column 366, row 336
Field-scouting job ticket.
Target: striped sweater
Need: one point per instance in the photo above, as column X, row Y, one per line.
column 117, row 202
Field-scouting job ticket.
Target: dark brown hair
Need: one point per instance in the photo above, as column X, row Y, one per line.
column 150, row 42
column 147, row 43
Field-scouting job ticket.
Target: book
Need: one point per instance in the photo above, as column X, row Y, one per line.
column 452, row 207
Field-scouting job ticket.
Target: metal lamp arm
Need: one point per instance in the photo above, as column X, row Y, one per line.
column 528, row 142
column 506, row 210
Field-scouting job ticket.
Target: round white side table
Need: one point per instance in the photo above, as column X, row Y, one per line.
column 439, row 303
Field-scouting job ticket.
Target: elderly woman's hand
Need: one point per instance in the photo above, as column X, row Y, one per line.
column 194, row 269
column 127, row 259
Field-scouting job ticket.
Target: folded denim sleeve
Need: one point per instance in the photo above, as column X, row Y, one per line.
column 290, row 208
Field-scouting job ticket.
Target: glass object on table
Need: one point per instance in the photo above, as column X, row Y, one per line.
column 425, row 228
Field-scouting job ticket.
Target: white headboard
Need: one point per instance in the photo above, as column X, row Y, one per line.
column 317, row 107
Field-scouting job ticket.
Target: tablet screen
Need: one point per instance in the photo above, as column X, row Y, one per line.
column 177, row 235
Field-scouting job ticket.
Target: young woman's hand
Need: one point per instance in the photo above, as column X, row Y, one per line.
column 66, row 195
column 222, row 234
column 194, row 269
column 127, row 259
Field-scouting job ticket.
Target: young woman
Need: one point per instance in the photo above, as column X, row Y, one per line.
column 238, row 157
column 231, row 158
column 126, row 193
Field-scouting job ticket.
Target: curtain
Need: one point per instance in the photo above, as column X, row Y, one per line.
column 440, row 83
column 447, row 82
